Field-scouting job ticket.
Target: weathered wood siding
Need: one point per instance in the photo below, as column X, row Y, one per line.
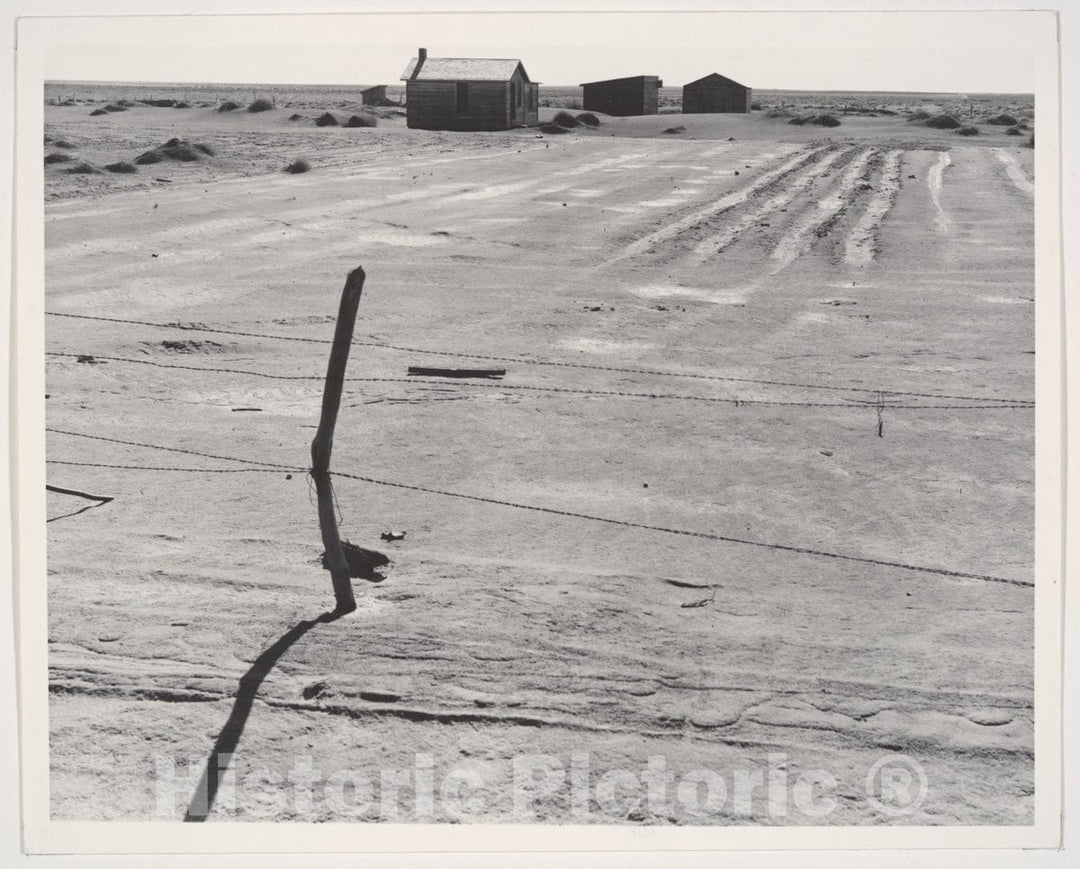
column 434, row 105
column 622, row 97
column 710, row 96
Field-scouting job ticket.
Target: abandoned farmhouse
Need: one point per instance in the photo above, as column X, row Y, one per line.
column 479, row 93
column 623, row 97
column 466, row 93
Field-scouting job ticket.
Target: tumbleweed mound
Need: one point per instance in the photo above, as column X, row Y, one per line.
column 175, row 149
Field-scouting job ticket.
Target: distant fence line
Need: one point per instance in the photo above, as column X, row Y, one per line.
column 1012, row 402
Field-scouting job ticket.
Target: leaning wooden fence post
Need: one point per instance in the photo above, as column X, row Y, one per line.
column 324, row 441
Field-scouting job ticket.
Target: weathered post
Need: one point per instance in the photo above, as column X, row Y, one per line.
column 324, row 441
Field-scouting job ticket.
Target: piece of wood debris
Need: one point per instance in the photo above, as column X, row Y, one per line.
column 487, row 373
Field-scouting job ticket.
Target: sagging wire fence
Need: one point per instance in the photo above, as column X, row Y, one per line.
column 524, row 360
column 335, row 379
column 561, row 390
column 276, row 468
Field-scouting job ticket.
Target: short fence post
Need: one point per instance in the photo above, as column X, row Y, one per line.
column 323, row 443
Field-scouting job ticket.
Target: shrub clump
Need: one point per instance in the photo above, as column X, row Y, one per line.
column 678, row 129
column 778, row 113
column 1013, row 131
column 1002, row 121
column 182, row 105
column 298, row 166
column 588, row 119
column 755, row 107
column 260, row 105
column 943, row 122
column 565, row 119
column 58, row 158
column 97, row 112
column 919, row 115
column 82, row 169
column 968, row 131
column 174, row 149
column 115, row 107
column 295, row 116
column 228, row 106
column 364, row 120
column 121, row 168
column 326, row 120
column 552, row 128
column 818, row 120
column 161, row 104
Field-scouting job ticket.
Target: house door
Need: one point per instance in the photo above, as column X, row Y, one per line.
column 516, row 113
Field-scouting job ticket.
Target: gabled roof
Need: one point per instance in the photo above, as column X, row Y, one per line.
column 641, row 78
column 463, row 69
column 723, row 79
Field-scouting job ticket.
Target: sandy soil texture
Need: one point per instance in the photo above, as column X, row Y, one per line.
column 755, row 493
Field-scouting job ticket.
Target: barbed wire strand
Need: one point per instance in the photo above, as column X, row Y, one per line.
column 559, row 389
column 703, row 535
column 198, row 327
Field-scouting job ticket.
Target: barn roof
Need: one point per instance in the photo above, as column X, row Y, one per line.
column 463, row 69
column 715, row 76
column 641, row 78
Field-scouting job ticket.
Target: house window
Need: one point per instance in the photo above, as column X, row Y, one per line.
column 462, row 96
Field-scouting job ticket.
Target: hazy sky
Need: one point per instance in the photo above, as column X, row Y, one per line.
column 946, row 51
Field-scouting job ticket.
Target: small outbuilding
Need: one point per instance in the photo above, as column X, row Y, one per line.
column 469, row 93
column 715, row 93
column 622, row 97
column 374, row 95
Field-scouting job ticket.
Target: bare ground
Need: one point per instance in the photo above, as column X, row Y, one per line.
column 688, row 350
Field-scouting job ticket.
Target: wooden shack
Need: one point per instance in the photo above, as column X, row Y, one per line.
column 715, row 93
column 469, row 93
column 374, row 96
column 636, row 95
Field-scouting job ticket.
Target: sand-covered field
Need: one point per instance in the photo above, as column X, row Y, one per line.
column 755, row 493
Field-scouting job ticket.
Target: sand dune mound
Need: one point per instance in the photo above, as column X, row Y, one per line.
column 175, row 149
column 364, row 120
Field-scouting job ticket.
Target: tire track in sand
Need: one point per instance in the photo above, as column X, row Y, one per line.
column 796, row 241
column 799, row 160
column 1015, row 173
column 934, row 182
column 860, row 245
column 715, row 244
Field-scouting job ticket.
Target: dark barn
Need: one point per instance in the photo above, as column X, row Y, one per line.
column 466, row 93
column 374, row 96
column 623, row 97
column 715, row 93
